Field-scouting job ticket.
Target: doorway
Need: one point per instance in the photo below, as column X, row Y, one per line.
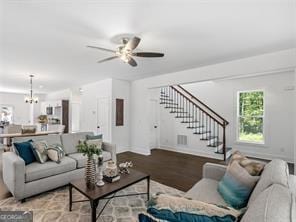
column 154, row 124
column 104, row 118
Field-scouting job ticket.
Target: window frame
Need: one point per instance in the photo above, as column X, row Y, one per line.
column 263, row 143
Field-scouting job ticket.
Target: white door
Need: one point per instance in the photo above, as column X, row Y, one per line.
column 75, row 117
column 154, row 124
column 103, row 118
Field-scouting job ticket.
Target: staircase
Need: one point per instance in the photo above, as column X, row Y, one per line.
column 205, row 123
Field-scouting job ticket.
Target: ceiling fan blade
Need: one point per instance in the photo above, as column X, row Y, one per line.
column 100, row 48
column 148, row 54
column 132, row 43
column 132, row 62
column 107, row 59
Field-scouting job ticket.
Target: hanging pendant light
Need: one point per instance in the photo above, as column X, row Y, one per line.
column 31, row 98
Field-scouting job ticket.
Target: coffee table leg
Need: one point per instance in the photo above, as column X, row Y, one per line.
column 148, row 188
column 70, row 197
column 94, row 204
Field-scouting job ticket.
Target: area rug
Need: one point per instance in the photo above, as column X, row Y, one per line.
column 53, row 206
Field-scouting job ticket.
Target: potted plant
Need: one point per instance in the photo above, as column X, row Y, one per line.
column 89, row 150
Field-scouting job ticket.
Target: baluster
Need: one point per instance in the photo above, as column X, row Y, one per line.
column 217, row 133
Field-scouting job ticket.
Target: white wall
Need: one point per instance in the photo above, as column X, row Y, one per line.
column 22, row 110
column 262, row 64
column 121, row 134
column 221, row 96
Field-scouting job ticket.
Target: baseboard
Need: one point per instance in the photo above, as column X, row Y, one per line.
column 210, row 155
column 189, row 151
column 122, row 149
column 142, row 151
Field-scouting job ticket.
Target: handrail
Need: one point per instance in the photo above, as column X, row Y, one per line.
column 225, row 122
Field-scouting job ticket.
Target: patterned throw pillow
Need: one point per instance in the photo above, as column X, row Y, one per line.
column 55, row 152
column 236, row 185
column 40, row 151
column 97, row 142
column 254, row 168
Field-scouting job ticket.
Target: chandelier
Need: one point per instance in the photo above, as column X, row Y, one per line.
column 30, row 98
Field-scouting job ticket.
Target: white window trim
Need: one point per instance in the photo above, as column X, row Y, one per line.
column 237, row 127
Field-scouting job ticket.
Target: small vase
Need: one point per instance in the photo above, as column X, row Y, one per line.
column 100, row 169
column 90, row 172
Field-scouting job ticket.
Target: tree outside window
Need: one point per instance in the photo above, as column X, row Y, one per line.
column 251, row 116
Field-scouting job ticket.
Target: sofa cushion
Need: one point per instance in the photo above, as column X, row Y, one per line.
column 206, row 190
column 292, row 183
column 274, row 204
column 237, row 185
column 81, row 160
column 71, row 140
column 275, row 172
column 36, row 171
column 50, row 139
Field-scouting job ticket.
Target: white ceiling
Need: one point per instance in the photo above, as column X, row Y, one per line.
column 48, row 37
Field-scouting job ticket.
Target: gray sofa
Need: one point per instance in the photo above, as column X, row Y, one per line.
column 27, row 180
column 272, row 200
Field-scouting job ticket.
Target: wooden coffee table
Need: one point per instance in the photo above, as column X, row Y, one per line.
column 102, row 193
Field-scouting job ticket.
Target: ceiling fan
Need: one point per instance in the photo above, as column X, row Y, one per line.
column 125, row 51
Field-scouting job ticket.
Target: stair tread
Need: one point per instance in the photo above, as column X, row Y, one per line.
column 194, row 121
column 215, row 144
column 183, row 116
column 203, row 132
column 165, row 99
column 177, row 112
column 228, row 149
column 167, row 107
column 209, row 138
column 194, row 127
column 168, row 103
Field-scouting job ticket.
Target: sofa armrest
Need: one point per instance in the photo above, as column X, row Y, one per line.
column 111, row 148
column 14, row 173
column 214, row 171
column 292, row 183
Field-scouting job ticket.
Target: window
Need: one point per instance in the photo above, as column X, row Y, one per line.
column 251, row 116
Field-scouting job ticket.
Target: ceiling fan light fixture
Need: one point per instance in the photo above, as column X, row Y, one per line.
column 125, row 52
column 124, row 58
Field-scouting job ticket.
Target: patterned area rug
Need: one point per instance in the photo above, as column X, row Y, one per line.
column 53, row 206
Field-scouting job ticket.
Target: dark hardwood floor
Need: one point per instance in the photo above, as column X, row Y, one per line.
column 173, row 169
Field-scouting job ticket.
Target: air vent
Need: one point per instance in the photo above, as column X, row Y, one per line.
column 182, row 140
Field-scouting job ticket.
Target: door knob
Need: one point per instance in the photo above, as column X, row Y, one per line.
column 155, row 127
column 98, row 127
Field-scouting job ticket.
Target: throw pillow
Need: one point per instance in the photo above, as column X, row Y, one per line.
column 55, row 152
column 39, row 150
column 25, row 151
column 92, row 137
column 97, row 142
column 253, row 167
column 237, row 185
